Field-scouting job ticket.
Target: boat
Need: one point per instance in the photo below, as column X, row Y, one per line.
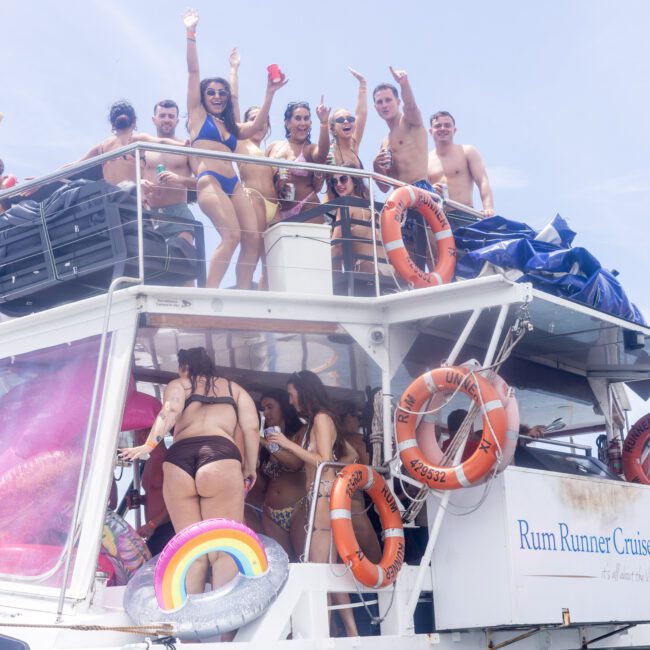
column 552, row 551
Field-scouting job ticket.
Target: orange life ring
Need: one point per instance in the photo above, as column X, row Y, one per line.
column 350, row 479
column 482, row 460
column 400, row 200
column 635, row 442
column 426, row 432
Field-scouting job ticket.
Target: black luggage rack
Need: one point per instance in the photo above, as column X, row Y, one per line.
column 73, row 247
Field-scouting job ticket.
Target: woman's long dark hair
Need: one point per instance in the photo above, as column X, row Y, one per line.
column 288, row 114
column 227, row 116
column 313, row 399
column 359, row 187
column 292, row 422
column 198, row 364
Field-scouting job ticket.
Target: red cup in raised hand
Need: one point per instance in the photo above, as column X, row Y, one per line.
column 275, row 74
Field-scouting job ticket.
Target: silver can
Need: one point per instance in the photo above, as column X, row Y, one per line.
column 288, row 191
column 273, row 446
column 388, row 156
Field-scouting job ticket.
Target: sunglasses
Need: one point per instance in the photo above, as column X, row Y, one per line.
column 345, row 118
column 339, row 180
column 211, row 92
column 300, row 104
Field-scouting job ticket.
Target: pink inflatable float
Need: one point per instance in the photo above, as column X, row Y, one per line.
column 43, row 432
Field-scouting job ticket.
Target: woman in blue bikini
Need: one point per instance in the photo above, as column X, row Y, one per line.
column 221, row 196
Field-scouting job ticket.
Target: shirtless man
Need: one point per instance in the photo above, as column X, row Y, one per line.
column 167, row 191
column 403, row 153
column 460, row 166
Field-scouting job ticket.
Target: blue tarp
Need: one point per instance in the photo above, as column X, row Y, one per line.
column 543, row 258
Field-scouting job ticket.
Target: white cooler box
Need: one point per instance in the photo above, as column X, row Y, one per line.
column 299, row 258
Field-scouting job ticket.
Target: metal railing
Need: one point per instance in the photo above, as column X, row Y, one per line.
column 314, row 498
column 136, row 148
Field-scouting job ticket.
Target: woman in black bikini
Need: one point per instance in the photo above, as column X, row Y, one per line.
column 204, row 473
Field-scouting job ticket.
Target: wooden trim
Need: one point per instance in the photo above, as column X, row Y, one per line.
column 239, row 323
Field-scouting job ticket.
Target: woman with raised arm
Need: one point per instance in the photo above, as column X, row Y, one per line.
column 347, row 129
column 204, row 475
column 298, row 188
column 221, row 196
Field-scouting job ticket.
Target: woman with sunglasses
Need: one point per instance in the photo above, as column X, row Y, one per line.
column 212, row 126
column 301, row 183
column 346, row 185
column 347, row 129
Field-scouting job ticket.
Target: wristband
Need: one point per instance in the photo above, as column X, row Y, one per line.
column 191, row 34
column 150, row 444
column 324, row 124
column 152, row 523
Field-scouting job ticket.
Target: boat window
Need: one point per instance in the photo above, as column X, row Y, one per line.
column 45, row 399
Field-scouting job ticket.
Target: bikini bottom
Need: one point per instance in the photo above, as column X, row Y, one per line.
column 270, row 207
column 281, row 516
column 193, row 453
column 297, row 209
column 228, row 185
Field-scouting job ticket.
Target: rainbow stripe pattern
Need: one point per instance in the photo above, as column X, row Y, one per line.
column 208, row 536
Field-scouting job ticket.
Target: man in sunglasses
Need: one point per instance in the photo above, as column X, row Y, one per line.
column 460, row 166
column 403, row 153
column 168, row 177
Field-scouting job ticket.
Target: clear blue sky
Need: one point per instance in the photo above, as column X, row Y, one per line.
column 555, row 95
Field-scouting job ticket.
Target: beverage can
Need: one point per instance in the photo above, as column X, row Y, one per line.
column 160, row 168
column 388, row 156
column 273, row 446
column 289, row 193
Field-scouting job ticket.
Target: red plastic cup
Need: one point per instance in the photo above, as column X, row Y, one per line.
column 9, row 181
column 275, row 74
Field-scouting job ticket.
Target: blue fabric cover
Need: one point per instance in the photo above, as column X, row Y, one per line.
column 545, row 259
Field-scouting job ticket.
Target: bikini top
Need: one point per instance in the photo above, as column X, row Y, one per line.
column 300, row 158
column 331, row 158
column 216, row 399
column 210, row 131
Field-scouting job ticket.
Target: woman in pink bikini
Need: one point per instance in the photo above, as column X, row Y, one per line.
column 299, row 148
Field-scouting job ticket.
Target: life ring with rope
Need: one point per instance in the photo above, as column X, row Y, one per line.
column 489, row 450
column 392, row 217
column 426, row 431
column 361, row 477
